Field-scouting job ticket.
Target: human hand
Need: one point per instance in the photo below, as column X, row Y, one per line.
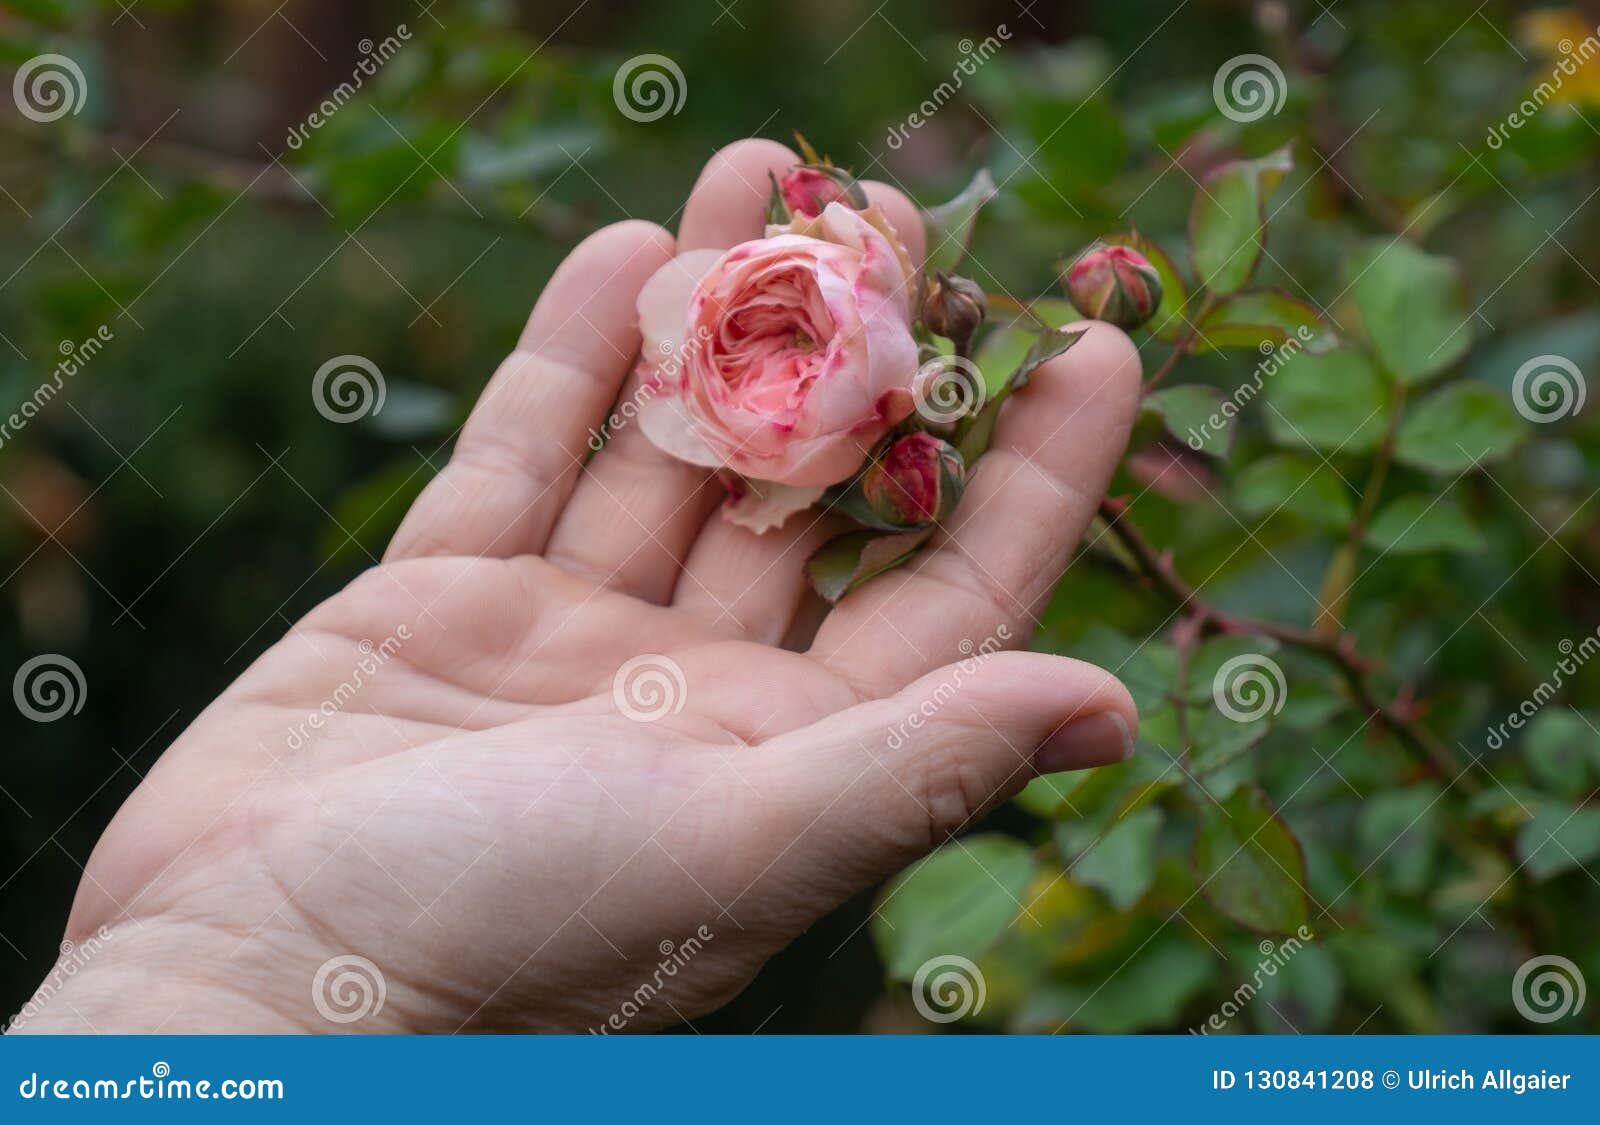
column 441, row 771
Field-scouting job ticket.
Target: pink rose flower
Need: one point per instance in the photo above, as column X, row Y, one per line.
column 784, row 360
column 807, row 192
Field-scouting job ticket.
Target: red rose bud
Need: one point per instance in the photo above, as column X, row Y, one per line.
column 919, row 479
column 1114, row 284
column 808, row 189
column 954, row 307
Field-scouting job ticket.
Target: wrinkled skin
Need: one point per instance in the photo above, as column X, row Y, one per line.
column 474, row 812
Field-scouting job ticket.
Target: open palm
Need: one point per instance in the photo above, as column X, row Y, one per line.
column 575, row 728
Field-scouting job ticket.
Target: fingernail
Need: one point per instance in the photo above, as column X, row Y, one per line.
column 1095, row 740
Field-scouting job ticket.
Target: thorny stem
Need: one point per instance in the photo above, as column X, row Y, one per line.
column 1340, row 649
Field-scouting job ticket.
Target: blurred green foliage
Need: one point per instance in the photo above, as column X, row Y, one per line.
column 181, row 500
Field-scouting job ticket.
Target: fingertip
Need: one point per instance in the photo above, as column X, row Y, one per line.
column 1094, row 740
column 727, row 205
column 1109, row 351
column 903, row 215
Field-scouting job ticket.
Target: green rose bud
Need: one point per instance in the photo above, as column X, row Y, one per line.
column 953, row 307
column 1114, row 284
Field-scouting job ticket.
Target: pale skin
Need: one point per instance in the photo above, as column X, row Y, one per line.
column 481, row 820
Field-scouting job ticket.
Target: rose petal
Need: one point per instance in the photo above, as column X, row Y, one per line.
column 664, row 302
column 667, row 423
column 762, row 505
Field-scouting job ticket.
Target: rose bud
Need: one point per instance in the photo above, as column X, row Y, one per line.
column 954, row 307
column 1114, row 284
column 919, row 479
column 807, row 189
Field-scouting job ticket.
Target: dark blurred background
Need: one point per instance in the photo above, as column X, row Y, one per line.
column 180, row 500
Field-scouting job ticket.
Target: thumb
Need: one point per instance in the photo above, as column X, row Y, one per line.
column 871, row 788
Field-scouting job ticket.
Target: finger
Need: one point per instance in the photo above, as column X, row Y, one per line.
column 756, row 582
column 729, row 202
column 990, row 570
column 524, row 444
column 903, row 216
column 636, row 510
column 869, row 789
column 759, row 580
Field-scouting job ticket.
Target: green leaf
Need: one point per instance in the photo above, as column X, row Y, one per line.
column 1413, row 305
column 1211, row 655
column 1263, row 319
column 957, row 901
column 1311, row 705
column 1303, row 487
column 1122, row 863
column 1149, row 991
column 842, row 564
column 1303, row 996
column 1418, row 523
column 1250, row 864
column 1332, row 401
column 950, row 225
column 1149, row 668
column 1457, row 427
column 1219, row 741
column 1165, row 323
column 1228, row 221
column 973, row 435
column 1398, row 828
column 1075, row 146
column 1561, row 750
column 413, row 411
column 486, row 161
column 1047, row 796
column 1191, row 413
column 1559, row 838
column 1002, row 350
